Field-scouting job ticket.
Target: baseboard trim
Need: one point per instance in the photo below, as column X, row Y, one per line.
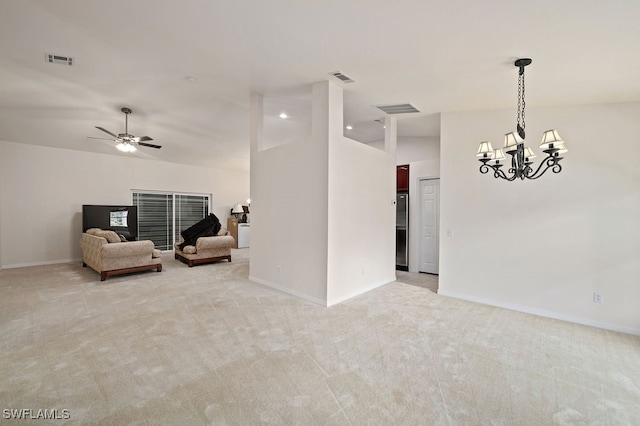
column 542, row 313
column 320, row 302
column 362, row 291
column 48, row 262
column 288, row 291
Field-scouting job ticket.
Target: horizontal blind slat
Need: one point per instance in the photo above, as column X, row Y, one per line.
column 155, row 215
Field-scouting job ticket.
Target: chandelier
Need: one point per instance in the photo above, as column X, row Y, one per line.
column 521, row 156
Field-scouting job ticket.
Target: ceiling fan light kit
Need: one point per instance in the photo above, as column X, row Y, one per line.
column 552, row 145
column 126, row 141
column 126, row 147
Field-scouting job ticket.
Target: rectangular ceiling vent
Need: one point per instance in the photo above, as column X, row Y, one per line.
column 58, row 59
column 343, row 78
column 397, row 108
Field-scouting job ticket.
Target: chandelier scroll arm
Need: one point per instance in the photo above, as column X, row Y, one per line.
column 551, row 162
column 497, row 171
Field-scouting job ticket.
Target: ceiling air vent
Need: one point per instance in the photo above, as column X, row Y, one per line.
column 343, row 78
column 58, row 59
column 397, row 108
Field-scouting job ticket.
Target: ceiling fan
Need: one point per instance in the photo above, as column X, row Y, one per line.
column 126, row 141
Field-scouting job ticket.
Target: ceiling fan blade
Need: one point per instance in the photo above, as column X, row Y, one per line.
column 106, row 131
column 149, row 145
column 102, row 139
column 142, row 138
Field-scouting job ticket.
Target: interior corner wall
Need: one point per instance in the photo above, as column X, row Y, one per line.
column 322, row 225
column 43, row 189
column 289, row 209
column 545, row 246
column 361, row 219
column 362, row 210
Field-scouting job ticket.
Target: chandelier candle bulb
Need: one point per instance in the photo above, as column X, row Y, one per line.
column 498, row 156
column 549, row 138
column 561, row 148
column 511, row 141
column 485, row 150
column 528, row 154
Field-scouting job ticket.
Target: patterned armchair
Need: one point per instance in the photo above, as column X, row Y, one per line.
column 105, row 254
column 207, row 249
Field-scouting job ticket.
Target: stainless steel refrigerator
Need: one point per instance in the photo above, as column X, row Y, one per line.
column 402, row 225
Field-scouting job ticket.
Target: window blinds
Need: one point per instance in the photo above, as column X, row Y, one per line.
column 161, row 216
column 190, row 209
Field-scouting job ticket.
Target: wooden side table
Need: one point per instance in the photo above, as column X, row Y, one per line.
column 232, row 227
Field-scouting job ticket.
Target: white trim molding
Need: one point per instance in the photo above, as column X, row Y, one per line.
column 47, row 262
column 541, row 312
column 288, row 291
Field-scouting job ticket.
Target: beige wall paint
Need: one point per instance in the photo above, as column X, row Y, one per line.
column 545, row 246
column 44, row 188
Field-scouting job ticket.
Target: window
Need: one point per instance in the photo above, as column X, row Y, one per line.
column 190, row 209
column 162, row 215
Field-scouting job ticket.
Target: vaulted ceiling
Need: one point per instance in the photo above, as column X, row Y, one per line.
column 186, row 68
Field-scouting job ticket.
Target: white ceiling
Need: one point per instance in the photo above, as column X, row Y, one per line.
column 438, row 55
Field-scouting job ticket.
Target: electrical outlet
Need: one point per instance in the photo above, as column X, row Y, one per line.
column 278, row 269
column 597, row 297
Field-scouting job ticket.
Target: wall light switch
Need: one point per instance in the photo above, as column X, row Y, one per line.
column 449, row 232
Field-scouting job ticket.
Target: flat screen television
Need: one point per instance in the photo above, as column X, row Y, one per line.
column 121, row 219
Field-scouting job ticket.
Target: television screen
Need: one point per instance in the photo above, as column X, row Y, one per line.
column 121, row 219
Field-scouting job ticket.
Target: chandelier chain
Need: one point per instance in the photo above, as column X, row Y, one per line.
column 521, row 104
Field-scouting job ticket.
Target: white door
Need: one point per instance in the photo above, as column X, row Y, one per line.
column 429, row 224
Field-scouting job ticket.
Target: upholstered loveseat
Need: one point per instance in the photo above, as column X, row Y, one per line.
column 106, row 254
column 207, row 249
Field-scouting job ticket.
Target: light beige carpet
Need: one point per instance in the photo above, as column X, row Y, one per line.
column 203, row 345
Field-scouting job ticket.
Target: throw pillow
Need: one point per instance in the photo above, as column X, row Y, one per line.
column 93, row 231
column 189, row 250
column 110, row 236
column 222, row 231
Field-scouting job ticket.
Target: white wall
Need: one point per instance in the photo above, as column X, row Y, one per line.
column 43, row 190
column 545, row 246
column 413, row 149
column 318, row 228
column 361, row 215
column 289, row 208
